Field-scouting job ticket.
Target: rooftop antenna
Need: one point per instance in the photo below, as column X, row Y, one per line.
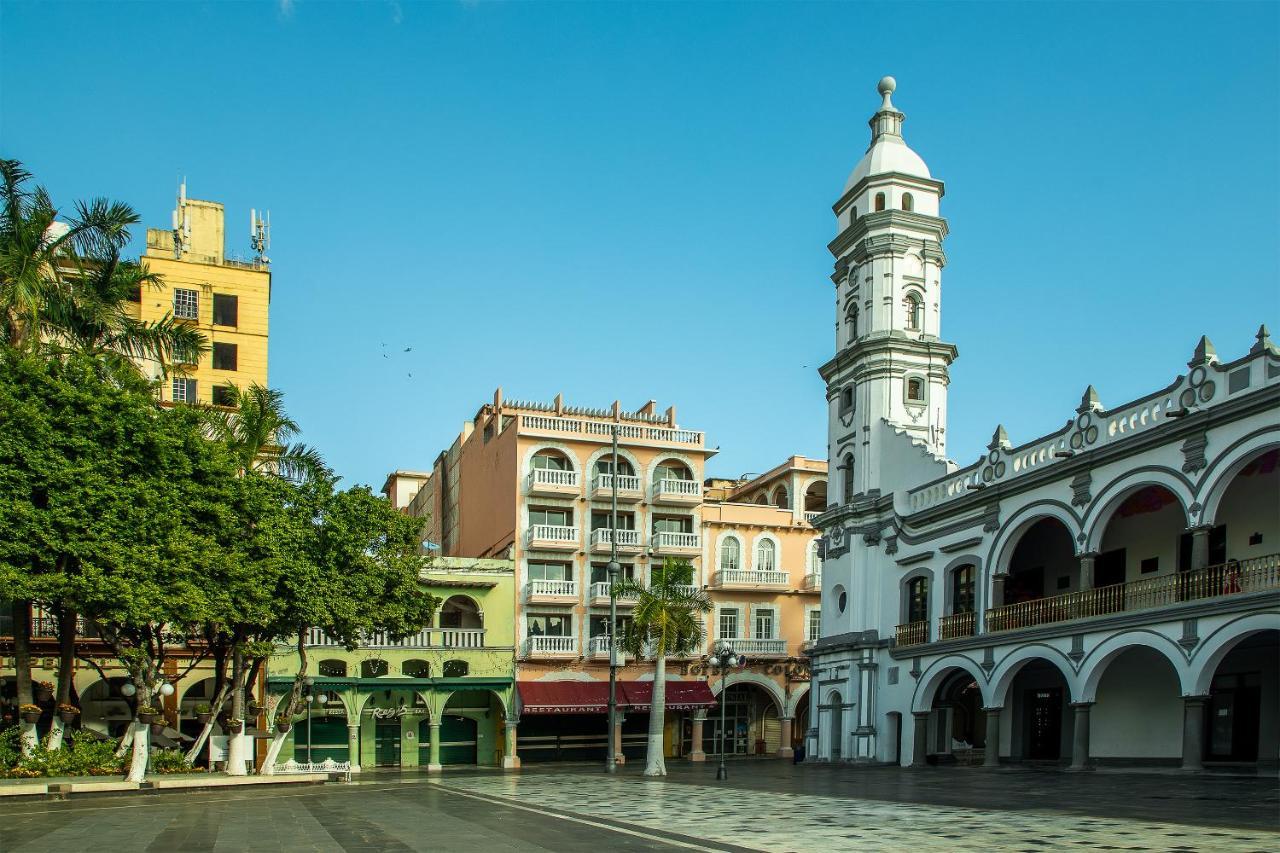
column 260, row 235
column 181, row 222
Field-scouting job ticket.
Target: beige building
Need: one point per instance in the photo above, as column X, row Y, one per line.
column 532, row 482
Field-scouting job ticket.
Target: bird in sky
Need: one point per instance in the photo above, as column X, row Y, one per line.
column 408, row 349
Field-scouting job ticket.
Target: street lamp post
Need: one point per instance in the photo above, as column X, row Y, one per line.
column 311, row 697
column 722, row 656
column 611, row 760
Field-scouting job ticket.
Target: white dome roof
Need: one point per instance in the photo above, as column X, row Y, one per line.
column 888, row 154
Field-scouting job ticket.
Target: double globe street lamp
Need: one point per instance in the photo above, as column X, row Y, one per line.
column 317, row 698
column 723, row 657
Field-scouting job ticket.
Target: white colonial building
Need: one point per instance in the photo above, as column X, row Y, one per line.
column 1107, row 593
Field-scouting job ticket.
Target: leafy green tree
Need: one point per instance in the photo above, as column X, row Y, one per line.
column 665, row 620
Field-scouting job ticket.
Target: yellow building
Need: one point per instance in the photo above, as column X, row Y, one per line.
column 531, row 482
column 227, row 300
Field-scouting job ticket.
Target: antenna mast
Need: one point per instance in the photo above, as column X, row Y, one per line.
column 181, row 222
column 260, row 235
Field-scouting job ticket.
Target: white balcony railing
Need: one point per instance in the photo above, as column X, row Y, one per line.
column 680, row 489
column 810, row 516
column 664, row 540
column 598, row 647
column 553, row 533
column 759, row 647
column 813, row 581
column 605, row 536
column 558, row 589
column 748, row 577
column 554, row 478
column 376, row 640
column 553, row 645
column 604, row 483
column 601, row 590
column 462, row 638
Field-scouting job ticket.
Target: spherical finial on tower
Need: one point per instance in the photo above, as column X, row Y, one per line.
column 886, row 87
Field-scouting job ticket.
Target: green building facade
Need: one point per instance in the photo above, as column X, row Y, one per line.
column 443, row 696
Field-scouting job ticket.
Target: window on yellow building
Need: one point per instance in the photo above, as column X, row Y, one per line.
column 184, row 390
column 225, row 356
column 186, row 304
column 222, row 395
column 226, row 310
column 728, row 623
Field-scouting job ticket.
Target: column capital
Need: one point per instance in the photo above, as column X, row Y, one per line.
column 1194, row 700
column 1081, row 705
column 1089, row 555
column 999, row 710
column 1200, row 529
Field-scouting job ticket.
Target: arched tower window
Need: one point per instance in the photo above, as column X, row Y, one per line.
column 908, row 203
column 879, row 201
column 730, row 554
column 765, row 554
column 913, row 307
column 846, row 400
column 851, row 320
column 848, row 477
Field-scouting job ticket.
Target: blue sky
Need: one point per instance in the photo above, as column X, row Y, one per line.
column 633, row 201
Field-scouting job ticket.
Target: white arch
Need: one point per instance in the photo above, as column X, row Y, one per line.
column 1095, row 663
column 684, row 460
column 559, row 447
column 1220, row 473
column 1010, row 534
column 1004, row 672
column 1215, row 647
column 590, row 466
column 938, row 671
column 721, row 538
column 770, row 687
column 794, row 701
column 755, row 551
column 1109, row 498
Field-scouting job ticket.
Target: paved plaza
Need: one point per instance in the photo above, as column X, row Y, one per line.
column 764, row 806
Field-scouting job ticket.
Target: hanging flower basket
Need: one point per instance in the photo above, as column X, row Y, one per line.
column 30, row 713
column 43, row 691
column 147, row 714
column 283, row 726
column 235, row 726
column 68, row 713
column 255, row 707
column 204, row 718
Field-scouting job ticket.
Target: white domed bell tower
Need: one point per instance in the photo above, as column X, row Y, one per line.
column 890, row 372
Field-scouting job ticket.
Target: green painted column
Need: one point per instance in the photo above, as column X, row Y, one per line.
column 353, row 747
column 409, row 741
column 434, row 761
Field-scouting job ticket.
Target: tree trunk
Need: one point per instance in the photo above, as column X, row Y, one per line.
column 141, row 752
column 215, row 706
column 287, row 708
column 22, row 663
column 66, row 672
column 126, row 741
column 655, row 763
column 235, row 746
column 273, row 752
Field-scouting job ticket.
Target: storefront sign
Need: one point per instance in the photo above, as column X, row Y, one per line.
column 388, row 713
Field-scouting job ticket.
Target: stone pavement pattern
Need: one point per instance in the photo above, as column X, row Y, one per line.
column 765, row 806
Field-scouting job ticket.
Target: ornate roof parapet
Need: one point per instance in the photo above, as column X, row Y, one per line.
column 1089, row 402
column 1264, row 342
column 1204, row 354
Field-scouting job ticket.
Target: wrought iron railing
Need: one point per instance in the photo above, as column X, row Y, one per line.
column 912, row 633
column 957, row 625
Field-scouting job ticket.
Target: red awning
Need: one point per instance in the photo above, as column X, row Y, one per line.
column 592, row 697
column 681, row 695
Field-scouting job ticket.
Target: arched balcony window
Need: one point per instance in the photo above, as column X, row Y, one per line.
column 622, row 467
column 551, row 460
column 962, row 590
column 918, row 600
column 766, row 554
column 671, row 470
column 730, row 554
column 848, row 477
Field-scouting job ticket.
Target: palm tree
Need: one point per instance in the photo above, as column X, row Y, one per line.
column 665, row 620
column 254, row 424
column 34, row 243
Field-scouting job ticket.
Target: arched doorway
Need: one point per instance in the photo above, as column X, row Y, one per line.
column 1242, row 715
column 322, row 734
column 1137, row 712
column 1039, row 697
column 470, row 728
column 751, row 722
column 959, row 727
column 835, row 726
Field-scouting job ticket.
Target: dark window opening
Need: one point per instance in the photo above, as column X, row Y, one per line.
column 225, row 356
column 226, row 310
column 223, row 395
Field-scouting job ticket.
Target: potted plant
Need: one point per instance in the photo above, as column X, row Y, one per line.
column 147, row 714
column 30, row 713
column 204, row 713
column 43, row 690
column 68, row 712
column 255, row 707
column 283, row 724
column 235, row 726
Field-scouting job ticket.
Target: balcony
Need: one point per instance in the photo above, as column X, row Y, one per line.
column 551, row 647
column 749, row 579
column 630, row 489
column 552, row 592
column 1234, row 578
column 553, row 483
column 957, row 625
column 677, row 544
column 776, row 648
column 376, row 640
column 912, row 633
column 812, row 582
column 598, row 649
column 810, row 516
column 599, row 595
column 602, row 539
column 553, row 537
column 461, row 638
column 683, row 492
